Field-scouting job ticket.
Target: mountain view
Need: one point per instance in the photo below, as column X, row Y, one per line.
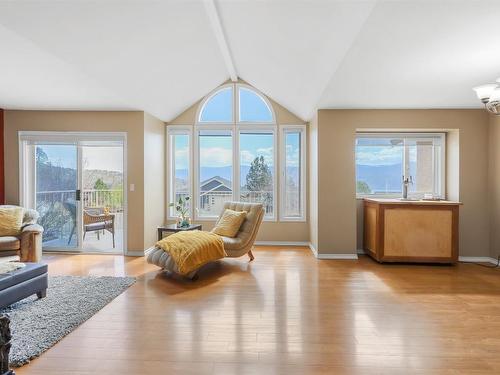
column 380, row 178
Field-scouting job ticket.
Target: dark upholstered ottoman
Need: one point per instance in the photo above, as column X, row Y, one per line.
column 22, row 283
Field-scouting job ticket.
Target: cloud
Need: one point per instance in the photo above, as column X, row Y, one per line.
column 181, row 158
column 246, row 157
column 378, row 155
column 292, row 156
column 216, row 157
column 268, row 153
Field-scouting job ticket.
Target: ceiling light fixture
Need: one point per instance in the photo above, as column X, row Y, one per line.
column 489, row 95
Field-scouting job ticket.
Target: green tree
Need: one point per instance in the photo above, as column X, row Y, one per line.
column 362, row 187
column 259, row 177
column 41, row 156
column 100, row 185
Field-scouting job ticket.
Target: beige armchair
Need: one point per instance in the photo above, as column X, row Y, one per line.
column 243, row 242
column 27, row 246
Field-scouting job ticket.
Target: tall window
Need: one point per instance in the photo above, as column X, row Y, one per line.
column 383, row 160
column 235, row 161
column 293, row 173
column 257, row 168
column 179, row 170
column 235, row 149
column 215, row 171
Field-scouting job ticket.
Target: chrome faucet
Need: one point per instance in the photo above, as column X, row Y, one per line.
column 406, row 182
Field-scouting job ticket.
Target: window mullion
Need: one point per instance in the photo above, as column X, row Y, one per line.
column 406, row 158
column 236, row 164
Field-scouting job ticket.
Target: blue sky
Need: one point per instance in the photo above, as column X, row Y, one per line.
column 61, row 155
column 220, row 107
column 104, row 158
column 379, row 155
column 216, row 151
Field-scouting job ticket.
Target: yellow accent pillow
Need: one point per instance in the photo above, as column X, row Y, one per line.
column 11, row 220
column 230, row 223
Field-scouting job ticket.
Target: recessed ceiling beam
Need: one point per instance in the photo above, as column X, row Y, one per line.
column 214, row 18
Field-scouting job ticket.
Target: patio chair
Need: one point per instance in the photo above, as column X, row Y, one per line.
column 95, row 220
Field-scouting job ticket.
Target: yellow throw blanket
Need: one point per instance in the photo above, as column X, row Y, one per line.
column 192, row 249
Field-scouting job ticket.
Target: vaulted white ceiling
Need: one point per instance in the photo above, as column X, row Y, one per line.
column 162, row 56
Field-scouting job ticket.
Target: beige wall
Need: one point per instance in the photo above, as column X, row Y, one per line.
column 154, row 177
column 494, row 184
column 269, row 231
column 339, row 215
column 130, row 122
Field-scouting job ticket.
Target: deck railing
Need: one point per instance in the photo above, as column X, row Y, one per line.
column 91, row 198
column 58, row 212
column 212, row 202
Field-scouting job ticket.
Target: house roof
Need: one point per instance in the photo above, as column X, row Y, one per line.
column 162, row 56
column 216, row 183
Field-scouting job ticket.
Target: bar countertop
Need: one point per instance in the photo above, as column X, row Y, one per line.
column 420, row 202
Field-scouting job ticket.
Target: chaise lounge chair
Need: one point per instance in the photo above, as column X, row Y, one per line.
column 235, row 247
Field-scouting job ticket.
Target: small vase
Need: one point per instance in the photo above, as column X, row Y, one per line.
column 183, row 222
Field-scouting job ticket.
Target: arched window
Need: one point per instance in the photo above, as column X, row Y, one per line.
column 232, row 153
column 218, row 107
column 251, row 106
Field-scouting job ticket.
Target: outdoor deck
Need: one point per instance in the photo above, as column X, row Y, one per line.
column 91, row 243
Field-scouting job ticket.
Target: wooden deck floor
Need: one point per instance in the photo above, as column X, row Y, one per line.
column 285, row 313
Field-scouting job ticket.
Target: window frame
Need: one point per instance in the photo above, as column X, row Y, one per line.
column 439, row 183
column 262, row 129
column 236, row 129
column 284, row 129
column 178, row 130
column 260, row 95
column 201, row 106
column 196, row 165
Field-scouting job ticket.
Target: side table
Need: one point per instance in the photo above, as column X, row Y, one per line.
column 173, row 228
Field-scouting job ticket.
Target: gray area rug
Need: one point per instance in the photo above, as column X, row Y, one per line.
column 36, row 325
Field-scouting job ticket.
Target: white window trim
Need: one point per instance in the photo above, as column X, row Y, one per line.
column 261, row 95
column 234, row 97
column 263, row 129
column 236, row 128
column 414, row 135
column 303, row 163
column 178, row 130
column 196, row 165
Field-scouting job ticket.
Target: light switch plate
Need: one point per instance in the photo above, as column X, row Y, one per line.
column 132, row 187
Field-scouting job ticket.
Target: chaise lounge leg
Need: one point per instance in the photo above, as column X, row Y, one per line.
column 250, row 255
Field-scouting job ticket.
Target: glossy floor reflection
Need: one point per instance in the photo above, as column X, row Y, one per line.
column 286, row 312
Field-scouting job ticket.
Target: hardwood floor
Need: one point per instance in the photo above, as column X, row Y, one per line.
column 284, row 313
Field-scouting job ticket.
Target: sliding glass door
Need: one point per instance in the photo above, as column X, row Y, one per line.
column 56, row 193
column 76, row 183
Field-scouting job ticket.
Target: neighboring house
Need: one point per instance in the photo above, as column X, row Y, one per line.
column 213, row 193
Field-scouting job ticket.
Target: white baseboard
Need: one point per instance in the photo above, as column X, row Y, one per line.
column 313, row 249
column 134, row 253
column 477, row 259
column 331, row 256
column 338, row 256
column 281, row 243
